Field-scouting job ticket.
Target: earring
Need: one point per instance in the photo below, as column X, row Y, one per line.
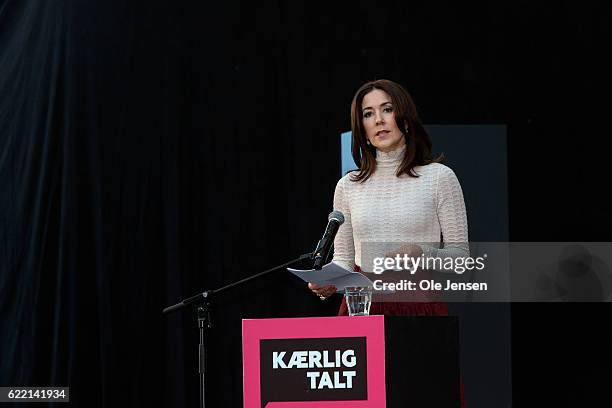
column 368, row 141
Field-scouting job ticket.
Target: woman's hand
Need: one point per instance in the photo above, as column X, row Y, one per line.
column 323, row 292
column 407, row 255
column 412, row 250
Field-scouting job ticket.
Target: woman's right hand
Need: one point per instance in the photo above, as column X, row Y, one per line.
column 323, row 292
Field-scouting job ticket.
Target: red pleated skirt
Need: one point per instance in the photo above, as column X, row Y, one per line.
column 402, row 308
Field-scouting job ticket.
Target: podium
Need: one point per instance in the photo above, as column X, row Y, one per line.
column 357, row 362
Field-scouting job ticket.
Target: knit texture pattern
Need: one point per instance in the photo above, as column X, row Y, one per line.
column 386, row 212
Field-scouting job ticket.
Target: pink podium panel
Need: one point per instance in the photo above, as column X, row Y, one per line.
column 335, row 361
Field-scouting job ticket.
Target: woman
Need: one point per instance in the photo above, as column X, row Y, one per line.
column 400, row 194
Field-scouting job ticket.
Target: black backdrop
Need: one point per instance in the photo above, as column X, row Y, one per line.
column 152, row 149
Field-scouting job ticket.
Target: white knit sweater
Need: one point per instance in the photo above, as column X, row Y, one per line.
column 386, row 212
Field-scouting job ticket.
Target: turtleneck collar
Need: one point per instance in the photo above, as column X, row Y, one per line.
column 392, row 158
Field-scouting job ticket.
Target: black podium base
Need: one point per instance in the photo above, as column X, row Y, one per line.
column 422, row 362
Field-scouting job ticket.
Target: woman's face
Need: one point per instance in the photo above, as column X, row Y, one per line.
column 378, row 116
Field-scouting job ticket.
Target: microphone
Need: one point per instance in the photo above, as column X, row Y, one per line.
column 335, row 219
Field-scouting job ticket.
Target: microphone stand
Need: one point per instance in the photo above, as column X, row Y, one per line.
column 204, row 300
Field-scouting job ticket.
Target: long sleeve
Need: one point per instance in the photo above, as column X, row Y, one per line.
column 344, row 246
column 451, row 213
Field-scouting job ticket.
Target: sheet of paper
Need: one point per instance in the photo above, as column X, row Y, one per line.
column 332, row 274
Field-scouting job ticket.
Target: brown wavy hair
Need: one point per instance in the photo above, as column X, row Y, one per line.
column 418, row 143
